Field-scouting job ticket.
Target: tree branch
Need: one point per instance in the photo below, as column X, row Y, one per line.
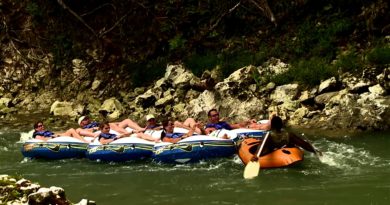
column 223, row 15
column 60, row 2
column 265, row 9
column 99, row 7
column 104, row 32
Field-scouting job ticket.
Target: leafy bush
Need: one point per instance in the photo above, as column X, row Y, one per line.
column 229, row 62
column 306, row 72
column 144, row 74
column 199, row 63
column 314, row 39
column 178, row 42
column 33, row 9
column 351, row 61
column 232, row 61
column 379, row 56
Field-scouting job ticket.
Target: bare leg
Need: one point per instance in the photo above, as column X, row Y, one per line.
column 188, row 124
column 120, row 126
column 147, row 137
column 72, row 132
column 130, row 123
column 114, row 126
column 86, row 132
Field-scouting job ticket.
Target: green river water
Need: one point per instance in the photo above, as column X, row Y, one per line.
column 354, row 170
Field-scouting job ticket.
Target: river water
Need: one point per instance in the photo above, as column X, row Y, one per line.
column 354, row 170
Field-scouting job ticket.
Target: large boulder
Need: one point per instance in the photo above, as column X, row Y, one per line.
column 198, row 108
column 63, row 109
column 285, row 92
column 179, row 76
column 147, row 99
column 113, row 108
column 328, row 85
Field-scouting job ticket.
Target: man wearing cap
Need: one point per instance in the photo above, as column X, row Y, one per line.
column 151, row 123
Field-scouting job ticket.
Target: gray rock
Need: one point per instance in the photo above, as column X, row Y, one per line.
column 63, row 109
column 113, row 108
column 285, row 92
column 328, row 85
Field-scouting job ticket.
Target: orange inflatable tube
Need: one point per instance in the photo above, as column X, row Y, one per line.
column 279, row 158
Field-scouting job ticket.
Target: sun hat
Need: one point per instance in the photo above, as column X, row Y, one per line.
column 150, row 116
column 81, row 119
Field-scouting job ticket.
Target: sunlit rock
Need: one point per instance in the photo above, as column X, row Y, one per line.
column 328, row 85
column 63, row 109
column 377, row 90
column 285, row 92
column 113, row 108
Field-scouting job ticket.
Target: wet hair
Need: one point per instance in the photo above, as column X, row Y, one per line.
column 36, row 124
column 209, row 113
column 165, row 122
column 102, row 124
column 276, row 123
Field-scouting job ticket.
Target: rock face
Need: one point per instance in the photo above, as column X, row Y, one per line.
column 347, row 102
column 332, row 105
column 22, row 191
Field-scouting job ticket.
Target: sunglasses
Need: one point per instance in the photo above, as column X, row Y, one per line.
column 40, row 125
column 215, row 115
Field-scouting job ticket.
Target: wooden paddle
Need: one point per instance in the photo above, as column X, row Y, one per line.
column 253, row 167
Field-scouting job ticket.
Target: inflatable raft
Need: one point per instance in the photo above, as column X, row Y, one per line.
column 279, row 158
column 123, row 149
column 57, row 148
column 194, row 149
column 243, row 132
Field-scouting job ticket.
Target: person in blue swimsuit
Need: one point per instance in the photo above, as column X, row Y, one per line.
column 105, row 136
column 169, row 136
column 42, row 134
column 215, row 123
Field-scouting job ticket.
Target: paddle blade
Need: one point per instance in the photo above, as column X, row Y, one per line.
column 251, row 170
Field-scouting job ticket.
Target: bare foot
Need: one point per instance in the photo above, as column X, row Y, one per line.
column 139, row 130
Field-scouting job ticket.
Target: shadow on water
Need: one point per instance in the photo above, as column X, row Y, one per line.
column 353, row 170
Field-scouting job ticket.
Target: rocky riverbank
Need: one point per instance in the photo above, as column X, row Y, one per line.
column 348, row 102
column 22, row 191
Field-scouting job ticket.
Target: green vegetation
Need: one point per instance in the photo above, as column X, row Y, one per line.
column 350, row 61
column 138, row 38
column 379, row 56
column 308, row 72
column 142, row 74
column 9, row 194
column 199, row 63
column 229, row 62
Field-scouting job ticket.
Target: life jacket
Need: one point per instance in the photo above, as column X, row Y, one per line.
column 107, row 136
column 219, row 125
column 171, row 135
column 91, row 125
column 45, row 133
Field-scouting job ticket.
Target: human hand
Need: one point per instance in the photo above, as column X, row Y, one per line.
column 209, row 130
column 253, row 121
